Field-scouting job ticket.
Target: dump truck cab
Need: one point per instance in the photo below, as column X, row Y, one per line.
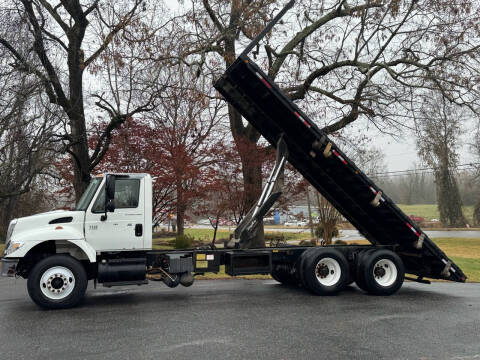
column 96, row 224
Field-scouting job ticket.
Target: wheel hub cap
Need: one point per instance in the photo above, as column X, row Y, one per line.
column 379, row 272
column 323, row 271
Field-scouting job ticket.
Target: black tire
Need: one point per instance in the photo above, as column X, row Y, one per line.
column 325, row 271
column 274, row 275
column 284, row 277
column 382, row 272
column 350, row 280
column 359, row 278
column 72, row 296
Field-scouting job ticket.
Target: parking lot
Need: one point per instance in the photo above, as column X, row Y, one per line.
column 244, row 319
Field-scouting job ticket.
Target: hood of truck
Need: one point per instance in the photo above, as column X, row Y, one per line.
column 52, row 225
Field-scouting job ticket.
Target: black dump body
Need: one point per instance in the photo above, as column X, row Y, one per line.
column 335, row 176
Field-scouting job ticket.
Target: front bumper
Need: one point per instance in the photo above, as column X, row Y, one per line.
column 9, row 267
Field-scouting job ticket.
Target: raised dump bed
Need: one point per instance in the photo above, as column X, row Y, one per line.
column 331, row 172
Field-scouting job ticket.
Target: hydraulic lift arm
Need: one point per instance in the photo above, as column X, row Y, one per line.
column 250, row 224
column 247, row 228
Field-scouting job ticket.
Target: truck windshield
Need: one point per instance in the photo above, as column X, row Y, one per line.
column 88, row 194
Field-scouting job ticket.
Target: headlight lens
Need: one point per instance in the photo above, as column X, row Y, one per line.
column 11, row 226
column 14, row 245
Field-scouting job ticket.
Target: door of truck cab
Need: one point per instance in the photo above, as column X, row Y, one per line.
column 124, row 228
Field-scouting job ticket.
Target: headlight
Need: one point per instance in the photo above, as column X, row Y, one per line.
column 14, row 245
column 11, row 226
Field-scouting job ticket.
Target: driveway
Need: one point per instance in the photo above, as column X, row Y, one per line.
column 244, row 319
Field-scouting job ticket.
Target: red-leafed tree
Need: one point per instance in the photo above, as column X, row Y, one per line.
column 184, row 124
column 228, row 197
column 135, row 149
column 174, row 144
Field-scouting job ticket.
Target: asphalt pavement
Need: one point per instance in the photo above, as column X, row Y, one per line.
column 244, row 319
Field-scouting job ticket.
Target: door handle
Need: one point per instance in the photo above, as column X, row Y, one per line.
column 138, row 230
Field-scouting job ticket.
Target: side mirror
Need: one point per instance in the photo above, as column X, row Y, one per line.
column 109, row 196
column 110, row 188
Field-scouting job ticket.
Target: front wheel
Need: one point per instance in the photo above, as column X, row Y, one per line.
column 57, row 282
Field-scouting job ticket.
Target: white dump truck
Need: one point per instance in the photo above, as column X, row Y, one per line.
column 108, row 237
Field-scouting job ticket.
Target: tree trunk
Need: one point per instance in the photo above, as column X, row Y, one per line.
column 81, row 174
column 245, row 137
column 252, row 182
column 215, row 228
column 328, row 232
column 79, row 150
column 252, row 177
column 180, row 219
column 181, row 208
column 476, row 214
column 448, row 197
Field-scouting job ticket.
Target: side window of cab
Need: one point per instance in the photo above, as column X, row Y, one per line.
column 127, row 192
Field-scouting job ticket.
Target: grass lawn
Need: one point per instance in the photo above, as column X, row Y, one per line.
column 207, row 234
column 430, row 211
column 465, row 253
column 2, row 247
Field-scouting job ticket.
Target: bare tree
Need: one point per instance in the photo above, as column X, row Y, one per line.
column 437, row 143
column 476, row 151
column 57, row 42
column 355, row 59
column 26, row 138
column 328, row 218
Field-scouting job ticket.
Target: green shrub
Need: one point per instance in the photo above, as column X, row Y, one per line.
column 319, row 231
column 274, row 237
column 308, row 243
column 275, row 240
column 183, row 242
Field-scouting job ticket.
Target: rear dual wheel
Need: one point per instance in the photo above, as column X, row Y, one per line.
column 325, row 271
column 380, row 272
